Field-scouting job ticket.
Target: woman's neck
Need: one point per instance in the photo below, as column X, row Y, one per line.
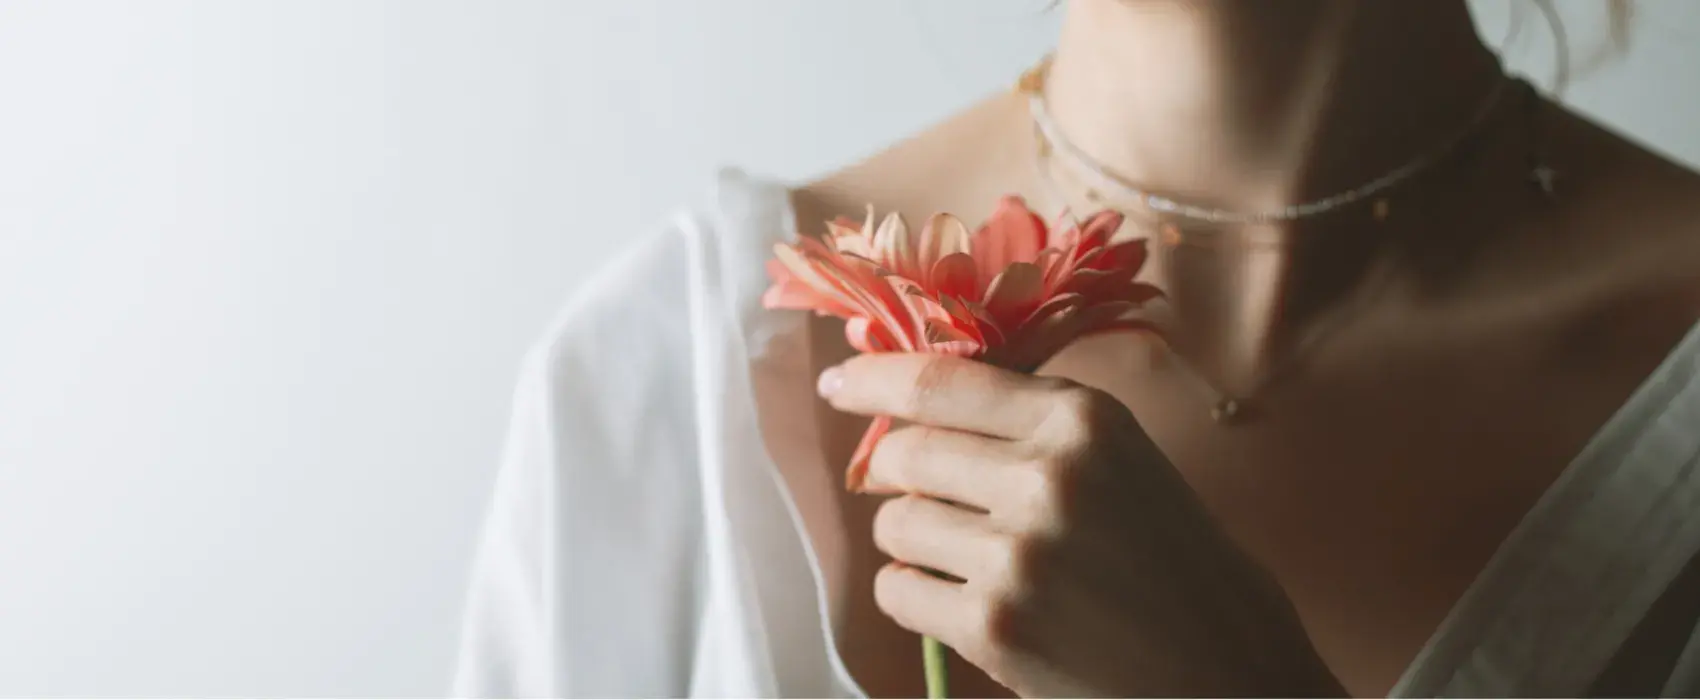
column 1251, row 104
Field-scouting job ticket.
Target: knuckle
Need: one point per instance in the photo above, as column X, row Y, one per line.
column 886, row 581
column 1033, row 502
column 1083, row 419
column 897, row 454
column 894, row 518
column 1076, row 412
column 1057, row 488
column 931, row 377
column 895, row 450
column 1003, row 623
column 1020, row 562
column 1055, row 385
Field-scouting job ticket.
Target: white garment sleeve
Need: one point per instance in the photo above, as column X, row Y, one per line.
column 507, row 638
column 585, row 582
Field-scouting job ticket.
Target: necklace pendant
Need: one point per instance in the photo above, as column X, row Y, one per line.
column 1225, row 411
column 1544, row 178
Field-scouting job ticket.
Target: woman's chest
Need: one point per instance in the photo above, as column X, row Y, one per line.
column 1375, row 492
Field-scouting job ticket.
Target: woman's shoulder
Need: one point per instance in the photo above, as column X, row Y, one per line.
column 1622, row 232
column 959, row 164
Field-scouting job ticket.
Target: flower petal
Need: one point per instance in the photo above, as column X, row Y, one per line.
column 961, row 316
column 1032, row 346
column 923, row 314
column 942, row 236
column 843, row 226
column 959, row 348
column 1051, row 307
column 992, row 333
column 946, row 339
column 892, row 246
column 1127, row 255
column 801, row 297
column 1081, row 281
column 954, row 275
column 1015, row 293
column 1096, row 231
column 1013, row 234
column 857, row 475
column 794, row 269
column 866, row 336
column 874, row 296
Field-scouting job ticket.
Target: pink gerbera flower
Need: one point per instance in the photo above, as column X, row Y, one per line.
column 1012, row 294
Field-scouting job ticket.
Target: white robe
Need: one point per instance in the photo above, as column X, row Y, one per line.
column 642, row 543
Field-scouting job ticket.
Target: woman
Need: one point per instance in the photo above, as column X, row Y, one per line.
column 1426, row 421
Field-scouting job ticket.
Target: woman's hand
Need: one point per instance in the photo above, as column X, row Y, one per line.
column 1076, row 560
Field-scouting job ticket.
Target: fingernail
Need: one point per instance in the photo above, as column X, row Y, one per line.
column 830, row 382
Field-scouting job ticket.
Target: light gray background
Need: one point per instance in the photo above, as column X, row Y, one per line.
column 266, row 268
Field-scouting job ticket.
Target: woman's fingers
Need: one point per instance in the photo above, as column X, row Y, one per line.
column 920, row 531
column 947, row 464
column 942, row 391
column 926, row 604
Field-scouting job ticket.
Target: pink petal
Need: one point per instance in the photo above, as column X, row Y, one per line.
column 1015, row 293
column 801, row 297
column 944, row 332
column 954, row 275
column 1055, row 265
column 943, row 236
column 844, row 226
column 893, row 247
column 1088, row 257
column 946, row 340
column 923, row 312
column 962, row 318
column 874, row 297
column 925, row 306
column 959, row 348
column 1040, row 343
column 1064, row 237
column 1129, row 255
column 867, row 336
column 1082, row 281
column 1013, row 234
column 794, row 270
column 1096, row 231
column 992, row 333
column 1051, row 307
column 857, row 475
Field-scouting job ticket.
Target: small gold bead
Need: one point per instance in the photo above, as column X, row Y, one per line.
column 1381, row 209
column 1171, row 233
column 1225, row 411
column 1032, row 80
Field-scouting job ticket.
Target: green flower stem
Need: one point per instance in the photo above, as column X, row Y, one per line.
column 932, row 659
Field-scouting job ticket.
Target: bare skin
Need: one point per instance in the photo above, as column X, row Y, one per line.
column 1465, row 348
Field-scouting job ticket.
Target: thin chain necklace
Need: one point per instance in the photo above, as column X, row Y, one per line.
column 1227, row 408
column 1232, row 408
column 1032, row 84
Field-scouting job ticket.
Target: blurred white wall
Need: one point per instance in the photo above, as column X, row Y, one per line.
column 266, row 267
